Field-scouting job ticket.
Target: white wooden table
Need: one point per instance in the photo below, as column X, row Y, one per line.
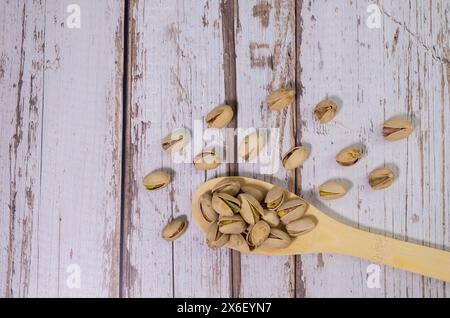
column 83, row 110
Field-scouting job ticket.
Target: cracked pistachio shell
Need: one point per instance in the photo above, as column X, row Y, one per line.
column 325, row 111
column 292, row 210
column 281, row 99
column 206, row 209
column 238, row 242
column 254, row 191
column 271, row 218
column 278, row 239
column 332, row 190
column 227, row 186
column 232, row 224
column 274, row 198
column 397, row 129
column 225, row 204
column 349, row 156
column 215, row 238
column 250, row 146
column 381, row 178
column 258, row 234
column 251, row 209
column 156, row 180
column 207, row 160
column 302, row 226
column 175, row 141
column 295, row 158
column 220, row 116
column 175, row 229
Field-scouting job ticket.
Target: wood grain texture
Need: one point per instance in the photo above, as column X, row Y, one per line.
column 176, row 79
column 62, row 119
column 375, row 74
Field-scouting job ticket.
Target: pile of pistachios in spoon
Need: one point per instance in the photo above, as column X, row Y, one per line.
column 245, row 217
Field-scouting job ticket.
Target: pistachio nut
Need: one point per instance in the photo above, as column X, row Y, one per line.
column 220, row 116
column 397, row 129
column 381, row 178
column 271, row 218
column 278, row 239
column 225, row 204
column 175, row 141
column 215, row 238
column 295, row 158
column 332, row 190
column 175, row 229
column 302, row 226
column 206, row 209
column 232, row 224
column 349, row 156
column 258, row 234
column 156, row 180
column 292, row 210
column 251, row 209
column 207, row 160
column 254, row 191
column 227, row 186
column 274, row 198
column 281, row 99
column 250, row 146
column 238, row 242
column 325, row 111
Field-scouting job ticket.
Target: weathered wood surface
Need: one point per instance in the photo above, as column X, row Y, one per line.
column 62, row 151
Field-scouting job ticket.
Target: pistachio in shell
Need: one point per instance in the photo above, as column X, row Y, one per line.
column 228, row 186
column 271, row 218
column 325, row 111
column 250, row 146
column 292, row 210
column 238, row 242
column 278, row 239
column 174, row 229
column 295, row 158
column 251, row 209
column 381, row 178
column 274, row 198
column 332, row 190
column 220, row 116
column 175, row 141
column 215, row 238
column 156, row 180
column 258, row 234
column 225, row 204
column 301, row 226
column 397, row 129
column 207, row 160
column 281, row 99
column 206, row 209
column 349, row 156
column 232, row 224
column 254, row 191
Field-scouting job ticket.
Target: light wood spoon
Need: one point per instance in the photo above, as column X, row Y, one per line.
column 331, row 236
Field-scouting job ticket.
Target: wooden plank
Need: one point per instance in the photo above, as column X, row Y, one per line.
column 376, row 74
column 265, row 49
column 176, row 77
column 64, row 128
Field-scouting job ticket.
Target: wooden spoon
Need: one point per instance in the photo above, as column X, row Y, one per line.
column 331, row 236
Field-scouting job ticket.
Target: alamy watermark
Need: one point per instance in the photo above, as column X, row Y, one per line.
column 374, row 19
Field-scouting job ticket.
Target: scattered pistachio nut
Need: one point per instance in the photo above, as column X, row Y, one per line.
column 238, row 242
column 175, row 229
column 206, row 209
column 274, row 198
column 227, row 186
column 207, row 160
column 220, row 116
column 292, row 210
column 397, row 129
column 232, row 224
column 250, row 146
column 254, row 191
column 156, row 180
column 325, row 111
column 176, row 140
column 381, row 178
column 278, row 239
column 271, row 218
column 349, row 156
column 332, row 190
column 251, row 209
column 295, row 158
column 258, row 234
column 281, row 99
column 301, row 227
column 225, row 204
